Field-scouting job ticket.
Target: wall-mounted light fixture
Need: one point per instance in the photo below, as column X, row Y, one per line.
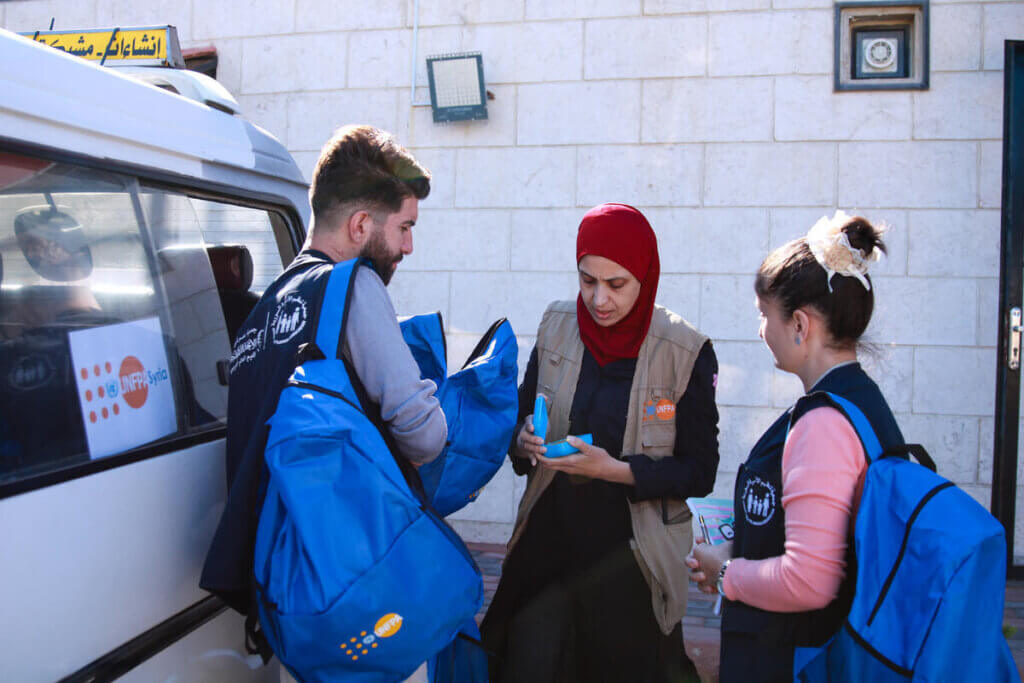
column 881, row 45
column 457, row 91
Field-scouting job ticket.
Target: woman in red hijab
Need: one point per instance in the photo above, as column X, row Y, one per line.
column 594, row 585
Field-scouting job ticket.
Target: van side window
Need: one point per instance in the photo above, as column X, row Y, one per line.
column 112, row 322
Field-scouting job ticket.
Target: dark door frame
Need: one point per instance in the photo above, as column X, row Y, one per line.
column 1011, row 283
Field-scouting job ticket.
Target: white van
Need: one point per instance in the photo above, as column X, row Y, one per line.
column 135, row 226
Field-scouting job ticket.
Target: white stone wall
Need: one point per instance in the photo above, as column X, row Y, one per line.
column 716, row 117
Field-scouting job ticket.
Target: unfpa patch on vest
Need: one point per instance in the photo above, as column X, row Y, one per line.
column 662, row 409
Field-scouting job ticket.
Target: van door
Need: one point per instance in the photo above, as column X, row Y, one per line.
column 113, row 340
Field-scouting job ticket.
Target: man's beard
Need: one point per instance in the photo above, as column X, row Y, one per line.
column 384, row 261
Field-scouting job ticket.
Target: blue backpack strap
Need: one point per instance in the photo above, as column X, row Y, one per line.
column 868, row 438
column 334, row 306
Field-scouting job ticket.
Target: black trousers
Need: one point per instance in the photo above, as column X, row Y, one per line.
column 752, row 658
column 595, row 627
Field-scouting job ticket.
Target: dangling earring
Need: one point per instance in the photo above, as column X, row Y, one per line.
column 797, row 340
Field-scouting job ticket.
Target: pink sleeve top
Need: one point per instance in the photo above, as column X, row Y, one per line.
column 822, row 466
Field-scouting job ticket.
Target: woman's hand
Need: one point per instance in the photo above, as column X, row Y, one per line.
column 528, row 444
column 591, row 461
column 705, row 561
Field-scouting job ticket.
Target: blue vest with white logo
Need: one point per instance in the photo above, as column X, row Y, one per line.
column 262, row 359
column 761, row 525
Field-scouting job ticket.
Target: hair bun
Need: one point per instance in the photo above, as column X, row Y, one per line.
column 865, row 237
column 843, row 246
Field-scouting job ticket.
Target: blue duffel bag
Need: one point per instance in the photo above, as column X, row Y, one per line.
column 358, row 579
column 480, row 401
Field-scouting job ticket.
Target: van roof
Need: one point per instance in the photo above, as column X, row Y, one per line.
column 60, row 101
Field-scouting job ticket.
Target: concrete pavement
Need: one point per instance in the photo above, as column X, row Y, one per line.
column 700, row 625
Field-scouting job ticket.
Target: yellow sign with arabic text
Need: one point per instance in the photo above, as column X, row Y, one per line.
column 149, row 45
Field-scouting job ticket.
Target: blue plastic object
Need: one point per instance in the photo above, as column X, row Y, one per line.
column 540, row 417
column 560, row 449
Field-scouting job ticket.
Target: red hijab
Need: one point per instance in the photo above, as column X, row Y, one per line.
column 620, row 233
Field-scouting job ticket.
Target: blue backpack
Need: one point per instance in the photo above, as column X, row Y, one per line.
column 357, row 577
column 480, row 401
column 931, row 575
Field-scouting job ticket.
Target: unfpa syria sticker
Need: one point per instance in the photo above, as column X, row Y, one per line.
column 365, row 643
column 662, row 410
column 124, row 385
column 759, row 501
column 289, row 318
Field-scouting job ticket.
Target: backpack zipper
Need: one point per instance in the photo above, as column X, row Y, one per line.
column 903, row 548
column 322, row 390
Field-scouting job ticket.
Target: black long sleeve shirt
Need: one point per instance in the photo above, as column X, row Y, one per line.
column 584, row 521
column 600, row 406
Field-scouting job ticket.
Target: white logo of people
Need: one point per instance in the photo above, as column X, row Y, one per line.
column 289, row 318
column 758, row 501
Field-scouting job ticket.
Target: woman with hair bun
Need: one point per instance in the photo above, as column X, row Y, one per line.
column 784, row 577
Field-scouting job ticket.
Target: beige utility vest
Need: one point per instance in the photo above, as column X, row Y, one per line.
column 662, row 530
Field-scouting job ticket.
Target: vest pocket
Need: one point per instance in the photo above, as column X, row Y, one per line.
column 549, row 376
column 658, row 440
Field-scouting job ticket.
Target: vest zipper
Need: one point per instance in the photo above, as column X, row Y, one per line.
column 903, row 548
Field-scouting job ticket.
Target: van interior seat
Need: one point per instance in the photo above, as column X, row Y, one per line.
column 233, row 272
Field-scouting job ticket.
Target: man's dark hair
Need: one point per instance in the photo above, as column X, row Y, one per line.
column 364, row 168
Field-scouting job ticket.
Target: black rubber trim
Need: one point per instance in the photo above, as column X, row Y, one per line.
column 84, row 469
column 903, row 548
column 444, row 337
column 484, row 342
column 891, row 665
column 126, row 657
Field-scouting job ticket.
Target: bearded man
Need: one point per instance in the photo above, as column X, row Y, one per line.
column 364, row 197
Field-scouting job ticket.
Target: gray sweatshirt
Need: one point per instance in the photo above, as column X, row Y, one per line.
column 387, row 370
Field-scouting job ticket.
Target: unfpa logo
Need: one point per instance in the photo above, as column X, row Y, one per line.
column 289, row 318
column 663, row 410
column 131, row 384
column 363, row 644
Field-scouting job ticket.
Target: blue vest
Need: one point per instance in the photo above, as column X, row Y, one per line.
column 262, row 359
column 761, row 527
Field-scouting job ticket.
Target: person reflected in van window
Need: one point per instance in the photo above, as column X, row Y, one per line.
column 785, row 576
column 54, row 244
column 365, row 201
column 594, row 587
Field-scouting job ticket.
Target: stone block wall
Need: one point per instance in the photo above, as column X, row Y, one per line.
column 716, row 117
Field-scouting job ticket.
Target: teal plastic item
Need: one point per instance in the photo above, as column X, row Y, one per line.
column 540, row 417
column 560, row 449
